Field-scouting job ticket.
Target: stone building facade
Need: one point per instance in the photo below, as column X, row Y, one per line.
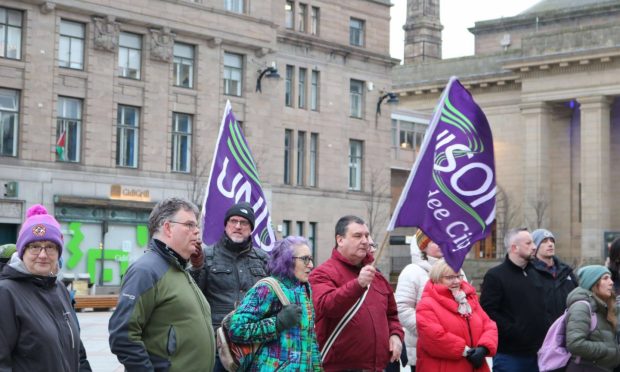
column 548, row 80
column 108, row 107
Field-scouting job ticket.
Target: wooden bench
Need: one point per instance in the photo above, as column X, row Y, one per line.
column 95, row 302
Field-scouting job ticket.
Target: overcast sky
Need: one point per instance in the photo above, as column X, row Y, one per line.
column 456, row 17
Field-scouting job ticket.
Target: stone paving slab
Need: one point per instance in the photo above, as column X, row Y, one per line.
column 94, row 333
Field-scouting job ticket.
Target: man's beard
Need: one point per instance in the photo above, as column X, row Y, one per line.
column 237, row 239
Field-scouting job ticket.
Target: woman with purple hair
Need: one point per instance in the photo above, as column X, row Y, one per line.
column 286, row 332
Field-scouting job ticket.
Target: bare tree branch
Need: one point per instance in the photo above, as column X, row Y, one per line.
column 376, row 207
column 506, row 214
column 540, row 206
column 196, row 188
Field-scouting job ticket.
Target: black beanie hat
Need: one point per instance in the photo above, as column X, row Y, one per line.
column 241, row 209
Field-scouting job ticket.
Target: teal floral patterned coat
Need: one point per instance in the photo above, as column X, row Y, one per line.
column 293, row 349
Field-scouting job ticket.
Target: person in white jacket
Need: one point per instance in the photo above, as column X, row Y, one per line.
column 411, row 282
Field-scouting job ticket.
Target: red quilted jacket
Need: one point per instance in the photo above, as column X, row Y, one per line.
column 443, row 332
column 364, row 342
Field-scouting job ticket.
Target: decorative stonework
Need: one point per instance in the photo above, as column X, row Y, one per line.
column 261, row 52
column 47, row 7
column 106, row 33
column 215, row 42
column 162, row 42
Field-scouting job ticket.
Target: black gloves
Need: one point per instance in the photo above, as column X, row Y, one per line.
column 288, row 317
column 476, row 356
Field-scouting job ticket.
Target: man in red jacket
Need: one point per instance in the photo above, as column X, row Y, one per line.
column 373, row 335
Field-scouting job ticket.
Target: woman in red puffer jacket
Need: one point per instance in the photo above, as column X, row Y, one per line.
column 454, row 332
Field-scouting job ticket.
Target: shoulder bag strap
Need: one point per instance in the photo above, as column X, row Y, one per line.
column 341, row 324
column 275, row 286
column 593, row 322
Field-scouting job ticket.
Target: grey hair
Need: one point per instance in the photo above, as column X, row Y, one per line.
column 438, row 269
column 165, row 209
column 510, row 236
column 343, row 224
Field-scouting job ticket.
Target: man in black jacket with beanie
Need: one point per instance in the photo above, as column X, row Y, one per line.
column 226, row 270
column 558, row 278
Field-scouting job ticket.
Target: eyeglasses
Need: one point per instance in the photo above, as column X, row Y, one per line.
column 189, row 225
column 452, row 278
column 242, row 223
column 305, row 259
column 50, row 250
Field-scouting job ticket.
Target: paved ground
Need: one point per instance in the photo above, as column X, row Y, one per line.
column 94, row 331
column 94, row 328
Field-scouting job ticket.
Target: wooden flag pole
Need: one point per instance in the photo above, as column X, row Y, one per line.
column 381, row 248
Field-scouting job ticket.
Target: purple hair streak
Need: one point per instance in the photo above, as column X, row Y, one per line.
column 281, row 263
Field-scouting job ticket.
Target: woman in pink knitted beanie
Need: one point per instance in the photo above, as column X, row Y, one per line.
column 39, row 327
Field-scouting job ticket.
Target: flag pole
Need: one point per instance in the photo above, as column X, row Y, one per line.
column 381, row 248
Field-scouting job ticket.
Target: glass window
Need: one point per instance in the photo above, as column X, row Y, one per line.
column 183, row 65
column 301, row 18
column 408, row 135
column 181, row 142
column 233, row 74
column 10, row 33
column 286, row 228
column 356, row 95
column 301, row 157
column 288, row 143
column 127, row 136
column 299, row 228
column 356, row 32
column 314, row 23
column 314, row 91
column 301, row 98
column 129, row 55
column 234, row 5
column 314, row 157
column 288, row 94
column 312, row 237
column 68, row 129
column 71, row 45
column 288, row 17
column 9, row 121
column 355, row 165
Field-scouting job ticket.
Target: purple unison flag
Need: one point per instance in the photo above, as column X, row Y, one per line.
column 234, row 178
column 450, row 192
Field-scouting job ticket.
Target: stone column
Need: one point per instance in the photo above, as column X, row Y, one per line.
column 595, row 167
column 536, row 119
column 422, row 31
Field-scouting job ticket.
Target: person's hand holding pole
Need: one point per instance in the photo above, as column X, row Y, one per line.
column 367, row 274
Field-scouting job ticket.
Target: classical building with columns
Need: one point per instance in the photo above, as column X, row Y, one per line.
column 548, row 80
column 107, row 107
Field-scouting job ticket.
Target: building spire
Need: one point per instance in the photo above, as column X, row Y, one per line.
column 422, row 31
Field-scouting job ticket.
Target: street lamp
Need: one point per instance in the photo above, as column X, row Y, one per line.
column 270, row 72
column 392, row 99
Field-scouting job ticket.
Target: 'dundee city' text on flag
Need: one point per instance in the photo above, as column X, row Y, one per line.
column 234, row 178
column 450, row 192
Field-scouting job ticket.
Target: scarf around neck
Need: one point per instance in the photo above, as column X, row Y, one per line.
column 461, row 298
